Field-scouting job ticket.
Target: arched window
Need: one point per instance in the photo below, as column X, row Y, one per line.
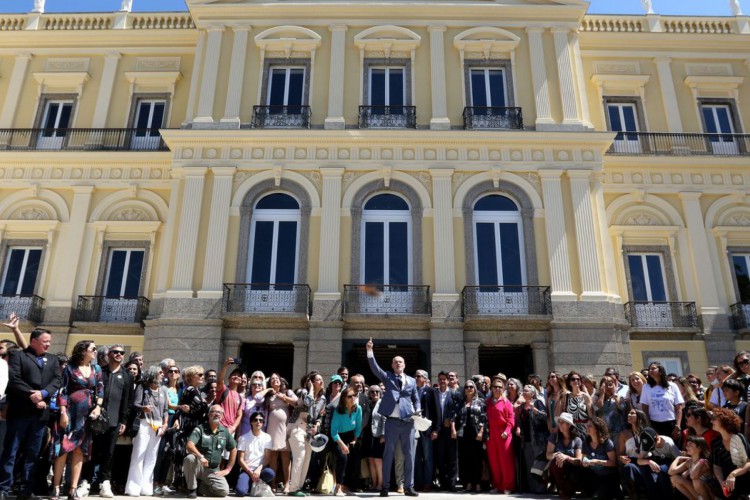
column 274, row 240
column 386, row 245
column 498, row 251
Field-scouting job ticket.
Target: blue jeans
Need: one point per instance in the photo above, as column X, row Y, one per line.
column 244, row 482
column 423, row 461
column 642, row 478
column 32, row 429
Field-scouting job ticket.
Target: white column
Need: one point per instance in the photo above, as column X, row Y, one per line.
column 70, row 248
column 565, row 74
column 668, row 95
column 588, row 257
column 236, row 75
column 210, row 75
column 105, row 90
column 445, row 274
column 335, row 118
column 330, row 235
column 708, row 288
column 600, row 211
column 17, row 79
column 539, row 78
column 439, row 120
column 216, row 241
column 189, row 112
column 166, row 242
column 557, row 240
column 187, row 237
column 581, row 82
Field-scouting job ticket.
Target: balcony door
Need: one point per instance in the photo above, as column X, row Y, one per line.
column 647, row 280
column 488, row 89
column 387, row 93
column 623, row 117
column 122, row 285
column 741, row 265
column 149, row 119
column 274, row 250
column 498, row 253
column 386, row 254
column 286, row 88
column 19, row 277
column 55, row 122
column 718, row 120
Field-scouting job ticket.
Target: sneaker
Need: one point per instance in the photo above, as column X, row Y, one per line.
column 83, row 489
column 192, row 493
column 105, row 490
column 166, row 490
column 158, row 491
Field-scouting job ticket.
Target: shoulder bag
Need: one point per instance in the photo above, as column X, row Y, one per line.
column 327, row 482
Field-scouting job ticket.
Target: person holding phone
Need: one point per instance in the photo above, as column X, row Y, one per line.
column 231, row 402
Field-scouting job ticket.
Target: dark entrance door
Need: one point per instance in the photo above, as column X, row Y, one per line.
column 415, row 354
column 269, row 358
column 513, row 361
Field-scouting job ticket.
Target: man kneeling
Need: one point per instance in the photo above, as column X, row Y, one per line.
column 206, row 445
column 255, row 452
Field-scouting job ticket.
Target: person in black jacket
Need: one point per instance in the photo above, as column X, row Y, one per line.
column 34, row 376
column 445, row 444
column 423, row 456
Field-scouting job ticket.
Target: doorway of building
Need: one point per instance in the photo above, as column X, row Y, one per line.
column 513, row 361
column 415, row 354
column 269, row 358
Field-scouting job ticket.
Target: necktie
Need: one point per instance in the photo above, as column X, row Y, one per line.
column 400, row 382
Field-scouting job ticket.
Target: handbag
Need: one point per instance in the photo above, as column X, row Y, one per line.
column 100, row 424
column 327, row 482
column 540, row 467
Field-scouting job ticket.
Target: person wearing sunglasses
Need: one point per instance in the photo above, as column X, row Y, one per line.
column 471, row 421
column 500, row 423
column 254, row 456
column 346, row 428
column 117, row 394
column 207, row 444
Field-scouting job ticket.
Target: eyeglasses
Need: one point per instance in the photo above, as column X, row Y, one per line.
column 117, row 352
column 469, row 387
column 497, row 387
column 374, row 392
column 743, row 362
column 575, row 379
column 258, row 420
column 175, row 370
column 218, row 412
column 351, row 396
column 693, row 382
column 92, row 348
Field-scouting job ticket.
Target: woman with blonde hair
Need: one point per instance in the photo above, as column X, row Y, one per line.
column 636, row 381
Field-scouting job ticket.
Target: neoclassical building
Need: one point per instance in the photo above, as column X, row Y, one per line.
column 478, row 185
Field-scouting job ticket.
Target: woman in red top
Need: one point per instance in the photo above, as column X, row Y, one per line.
column 500, row 420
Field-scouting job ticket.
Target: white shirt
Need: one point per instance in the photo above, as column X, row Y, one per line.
column 661, row 401
column 3, row 376
column 443, row 395
column 254, row 448
column 717, row 397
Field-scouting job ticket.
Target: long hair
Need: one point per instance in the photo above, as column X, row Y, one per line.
column 701, row 444
column 341, row 408
column 601, row 428
column 568, row 384
column 79, row 352
column 689, row 393
column 662, row 375
column 641, row 421
column 519, row 388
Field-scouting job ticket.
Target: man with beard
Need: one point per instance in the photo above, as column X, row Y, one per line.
column 205, row 447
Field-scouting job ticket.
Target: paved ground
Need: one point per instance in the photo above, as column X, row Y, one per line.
column 430, row 496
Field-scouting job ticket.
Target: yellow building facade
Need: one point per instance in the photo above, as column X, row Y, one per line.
column 480, row 186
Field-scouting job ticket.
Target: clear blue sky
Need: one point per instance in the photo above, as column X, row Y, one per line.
column 666, row 7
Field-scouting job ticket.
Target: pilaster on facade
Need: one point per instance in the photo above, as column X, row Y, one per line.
column 197, row 62
column 439, row 120
column 335, row 119
column 588, row 256
column 15, row 86
column 236, row 81
column 557, row 239
column 471, row 355
column 445, row 273
column 581, row 82
column 539, row 78
column 330, row 234
column 111, row 60
column 168, row 237
column 607, row 251
column 218, row 227
column 570, row 103
column 668, row 94
column 210, row 76
column 187, row 237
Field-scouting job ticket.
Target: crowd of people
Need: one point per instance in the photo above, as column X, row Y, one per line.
column 175, row 430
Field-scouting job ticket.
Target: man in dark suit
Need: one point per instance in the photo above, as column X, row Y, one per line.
column 445, row 445
column 400, row 401
column 34, row 376
column 423, row 459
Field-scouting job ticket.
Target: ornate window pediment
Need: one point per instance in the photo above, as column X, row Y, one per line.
column 288, row 42
column 486, row 43
column 387, row 42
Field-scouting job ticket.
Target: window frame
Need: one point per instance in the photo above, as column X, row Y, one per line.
column 731, row 104
column 107, row 247
column 273, row 63
column 46, row 99
column 288, row 70
column 733, row 252
column 670, row 282
column 107, row 273
column 496, row 218
column 506, row 65
column 487, row 87
column 138, row 98
column 647, row 275
column 376, row 63
column 387, row 217
column 276, row 216
column 6, row 265
column 387, row 90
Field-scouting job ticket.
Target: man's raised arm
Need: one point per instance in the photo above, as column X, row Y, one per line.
column 374, row 364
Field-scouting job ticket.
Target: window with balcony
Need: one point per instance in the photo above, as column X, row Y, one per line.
column 489, row 104
column 55, row 120
column 285, row 99
column 741, row 269
column 718, row 120
column 623, row 118
column 19, row 279
column 387, row 97
column 150, row 115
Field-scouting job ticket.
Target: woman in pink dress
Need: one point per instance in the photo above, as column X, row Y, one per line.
column 500, row 420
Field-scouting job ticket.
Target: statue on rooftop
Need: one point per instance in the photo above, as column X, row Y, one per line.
column 126, row 6
column 38, row 6
column 735, row 6
column 647, row 6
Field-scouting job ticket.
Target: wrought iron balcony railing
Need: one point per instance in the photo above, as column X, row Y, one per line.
column 501, row 300
column 387, row 117
column 387, row 299
column 740, row 315
column 28, row 307
column 664, row 315
column 98, row 308
column 281, row 116
column 492, row 117
column 260, row 298
column 81, row 139
column 667, row 144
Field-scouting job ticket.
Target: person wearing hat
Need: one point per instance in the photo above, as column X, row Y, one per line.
column 648, row 470
column 564, row 452
column 400, row 401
